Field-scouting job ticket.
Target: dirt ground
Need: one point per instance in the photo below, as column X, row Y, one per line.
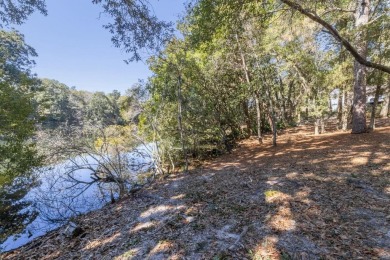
column 311, row 197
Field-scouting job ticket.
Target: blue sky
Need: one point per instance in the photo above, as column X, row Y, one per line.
column 75, row 49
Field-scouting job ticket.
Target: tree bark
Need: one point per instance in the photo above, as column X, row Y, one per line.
column 344, row 111
column 272, row 120
column 359, row 99
column 258, row 117
column 247, row 118
column 340, row 109
column 386, row 106
column 179, row 104
column 316, row 126
column 322, row 123
column 290, row 102
column 248, row 81
column 374, row 105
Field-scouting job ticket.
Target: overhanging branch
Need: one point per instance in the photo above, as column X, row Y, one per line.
column 313, row 16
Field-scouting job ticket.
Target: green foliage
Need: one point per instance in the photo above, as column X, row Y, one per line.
column 135, row 26
column 18, row 155
column 59, row 106
column 54, row 103
column 17, row 159
column 16, row 12
column 15, row 62
column 102, row 110
column 234, row 51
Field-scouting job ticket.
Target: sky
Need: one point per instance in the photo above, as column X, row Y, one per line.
column 75, row 49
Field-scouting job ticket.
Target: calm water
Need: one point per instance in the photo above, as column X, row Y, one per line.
column 58, row 198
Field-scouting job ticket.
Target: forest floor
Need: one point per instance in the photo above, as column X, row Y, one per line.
column 311, row 197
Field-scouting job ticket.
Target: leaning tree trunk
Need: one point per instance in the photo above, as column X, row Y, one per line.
column 374, row 105
column 360, row 71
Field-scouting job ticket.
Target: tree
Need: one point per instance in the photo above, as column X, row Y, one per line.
column 16, row 12
column 53, row 103
column 361, row 17
column 134, row 28
column 359, row 52
column 17, row 159
column 103, row 110
column 18, row 155
column 224, row 18
column 15, row 61
column 131, row 104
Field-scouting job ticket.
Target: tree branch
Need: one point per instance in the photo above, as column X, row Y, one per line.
column 338, row 10
column 314, row 17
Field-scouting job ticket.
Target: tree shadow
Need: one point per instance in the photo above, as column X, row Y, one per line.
column 311, row 197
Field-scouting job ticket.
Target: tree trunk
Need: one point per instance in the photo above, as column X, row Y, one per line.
column 122, row 189
column 274, row 130
column 307, row 113
column 374, row 105
column 322, row 123
column 347, row 110
column 307, row 109
column 179, row 104
column 247, row 118
column 290, row 102
column 344, row 113
column 282, row 100
column 272, row 118
column 340, row 109
column 258, row 117
column 272, row 122
column 316, row 126
column 248, row 81
column 360, row 71
column 386, row 106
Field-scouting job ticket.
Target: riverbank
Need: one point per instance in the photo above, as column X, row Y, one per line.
column 307, row 198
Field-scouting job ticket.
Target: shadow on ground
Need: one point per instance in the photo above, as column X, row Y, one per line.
column 311, row 197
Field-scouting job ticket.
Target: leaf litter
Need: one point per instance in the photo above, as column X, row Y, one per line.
column 311, row 197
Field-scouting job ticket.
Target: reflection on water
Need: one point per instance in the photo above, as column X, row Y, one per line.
column 61, row 196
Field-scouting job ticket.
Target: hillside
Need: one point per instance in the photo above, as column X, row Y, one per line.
column 310, row 197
